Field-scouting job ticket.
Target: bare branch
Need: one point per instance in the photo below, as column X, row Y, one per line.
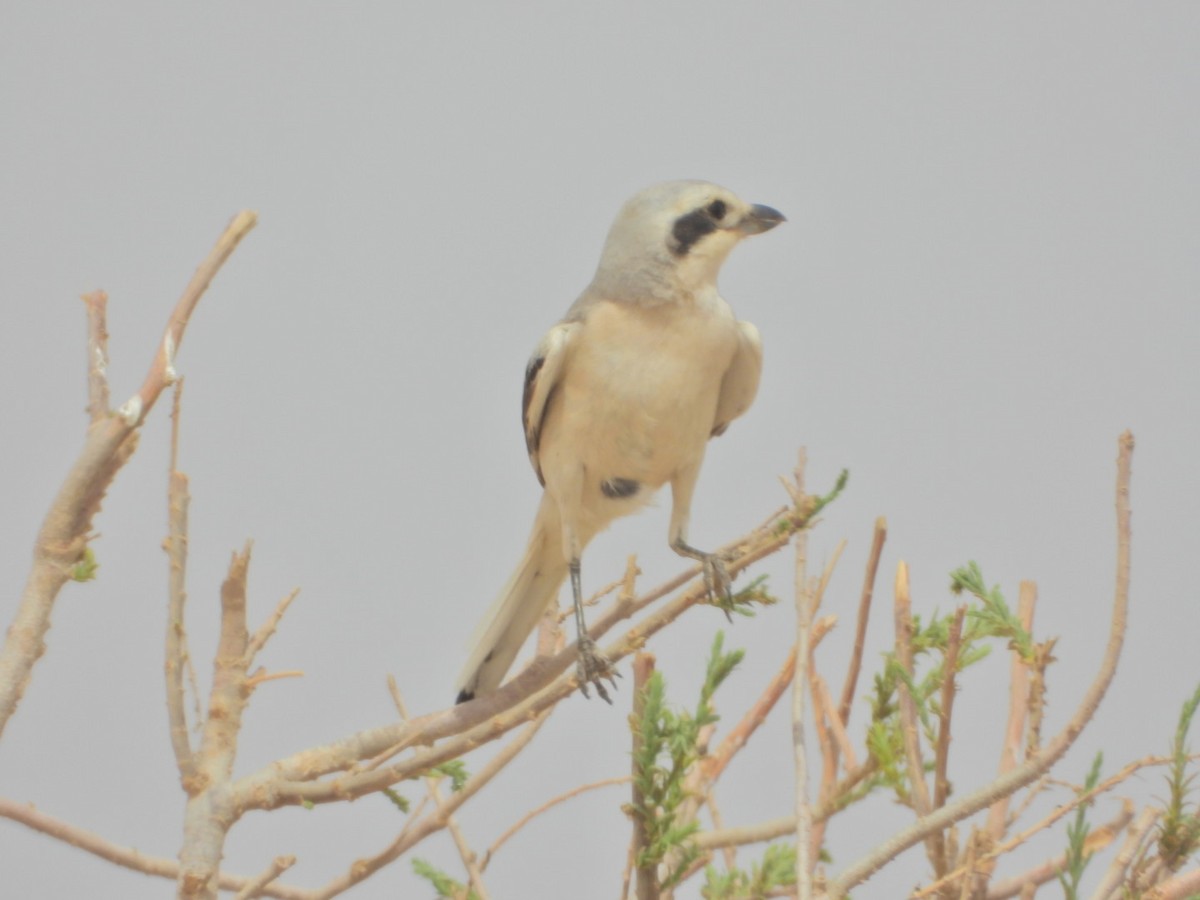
column 940, row 819
column 864, row 612
column 934, row 842
column 278, row 866
column 177, row 655
column 264, row 632
column 416, row 832
column 97, row 350
column 210, row 814
column 538, row 687
column 1136, row 836
column 800, row 687
column 548, row 805
column 1097, row 840
column 431, row 783
column 162, row 369
column 941, row 783
column 28, row 815
column 1055, row 815
column 62, row 540
column 1183, row 885
column 1018, row 704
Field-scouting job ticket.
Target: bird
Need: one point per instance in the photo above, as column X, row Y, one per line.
column 621, row 398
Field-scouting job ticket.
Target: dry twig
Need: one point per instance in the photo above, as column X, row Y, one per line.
column 1031, row 769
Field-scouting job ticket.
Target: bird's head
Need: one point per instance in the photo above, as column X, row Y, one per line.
column 676, row 235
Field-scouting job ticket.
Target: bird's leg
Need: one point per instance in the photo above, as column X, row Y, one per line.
column 593, row 668
column 716, row 576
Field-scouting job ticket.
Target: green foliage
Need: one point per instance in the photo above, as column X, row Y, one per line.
column 819, row 503
column 86, row 567
column 1179, row 830
column 742, row 603
column 777, row 870
column 1077, row 856
column 398, row 800
column 442, row 883
column 988, row 619
column 993, row 615
column 666, row 752
column 456, row 771
column 801, row 518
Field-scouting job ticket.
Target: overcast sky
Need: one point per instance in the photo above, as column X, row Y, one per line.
column 991, row 268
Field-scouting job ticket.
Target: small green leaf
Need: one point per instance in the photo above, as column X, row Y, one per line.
column 86, row 567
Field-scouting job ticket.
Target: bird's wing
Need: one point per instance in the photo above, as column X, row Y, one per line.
column 740, row 383
column 541, row 379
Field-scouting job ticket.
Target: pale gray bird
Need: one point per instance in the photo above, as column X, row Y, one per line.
column 621, row 397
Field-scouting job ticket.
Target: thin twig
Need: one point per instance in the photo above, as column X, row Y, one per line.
column 97, row 351
column 469, row 859
column 940, row 819
column 730, row 852
column 1018, row 704
column 934, row 842
column 1055, row 815
column 804, row 609
column 941, row 758
column 850, row 686
column 1114, row 875
column 176, row 652
column 545, row 807
column 264, row 632
column 841, row 739
column 278, row 866
column 30, row 816
column 829, row 757
column 1097, row 839
column 416, row 832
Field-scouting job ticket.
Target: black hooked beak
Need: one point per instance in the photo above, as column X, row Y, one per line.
column 759, row 219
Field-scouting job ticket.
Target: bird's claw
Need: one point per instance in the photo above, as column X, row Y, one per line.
column 717, row 582
column 594, row 668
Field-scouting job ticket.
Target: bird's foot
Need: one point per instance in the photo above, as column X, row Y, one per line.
column 593, row 668
column 716, row 577
column 717, row 582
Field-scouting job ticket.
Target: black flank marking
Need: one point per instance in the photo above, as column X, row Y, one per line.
column 619, row 488
column 688, row 229
column 531, row 373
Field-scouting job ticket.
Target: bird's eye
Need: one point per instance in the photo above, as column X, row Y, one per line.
column 716, row 209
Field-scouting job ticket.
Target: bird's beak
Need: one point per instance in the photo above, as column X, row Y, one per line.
column 759, row 219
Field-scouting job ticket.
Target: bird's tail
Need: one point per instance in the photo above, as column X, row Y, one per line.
column 516, row 612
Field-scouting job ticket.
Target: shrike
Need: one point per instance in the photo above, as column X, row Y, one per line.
column 621, row 397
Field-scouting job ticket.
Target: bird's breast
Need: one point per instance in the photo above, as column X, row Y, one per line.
column 639, row 392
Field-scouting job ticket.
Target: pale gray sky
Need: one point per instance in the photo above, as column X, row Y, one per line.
column 990, row 270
